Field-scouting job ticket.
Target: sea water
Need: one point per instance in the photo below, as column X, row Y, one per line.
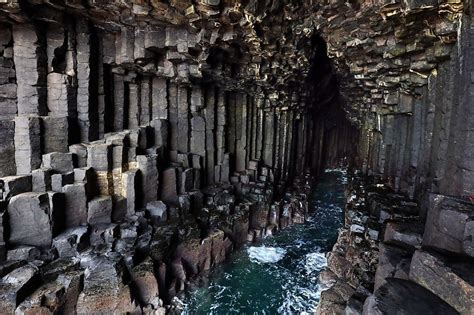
column 279, row 275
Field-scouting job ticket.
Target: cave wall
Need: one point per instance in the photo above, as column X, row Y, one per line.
column 135, row 127
column 425, row 144
column 76, row 97
column 136, row 154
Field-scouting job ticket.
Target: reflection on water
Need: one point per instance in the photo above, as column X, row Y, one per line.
column 279, row 275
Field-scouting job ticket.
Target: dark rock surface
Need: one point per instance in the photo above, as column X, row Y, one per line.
column 398, row 296
column 142, row 141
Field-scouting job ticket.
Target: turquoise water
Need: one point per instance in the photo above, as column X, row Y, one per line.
column 280, row 274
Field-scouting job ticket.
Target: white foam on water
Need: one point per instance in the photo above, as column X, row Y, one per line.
column 265, row 254
column 315, row 262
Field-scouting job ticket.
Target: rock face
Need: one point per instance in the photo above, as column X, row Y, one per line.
column 142, row 141
column 29, row 220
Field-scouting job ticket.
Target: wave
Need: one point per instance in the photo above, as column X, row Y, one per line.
column 265, row 254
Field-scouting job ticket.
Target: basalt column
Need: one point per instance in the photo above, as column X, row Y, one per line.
column 143, row 141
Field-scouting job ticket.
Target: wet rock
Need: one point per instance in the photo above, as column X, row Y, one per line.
column 143, row 276
column 71, row 241
column 23, row 253
column 47, row 299
column 334, row 299
column 338, row 264
column 394, row 262
column 405, row 297
column 406, row 234
column 451, row 281
column 50, row 272
column 16, row 286
column 10, row 265
column 157, row 211
column 446, row 224
column 104, row 291
column 73, row 283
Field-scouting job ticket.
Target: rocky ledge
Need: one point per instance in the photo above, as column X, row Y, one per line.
column 386, row 262
column 139, row 264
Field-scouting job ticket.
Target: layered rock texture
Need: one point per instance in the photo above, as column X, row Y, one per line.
column 142, row 141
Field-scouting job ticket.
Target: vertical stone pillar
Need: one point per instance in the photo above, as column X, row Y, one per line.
column 253, row 129
column 209, row 114
column 269, row 128
column 149, row 178
column 230, row 118
column 173, row 116
column 133, row 106
column 8, row 89
column 260, row 118
column 55, row 134
column 87, row 112
column 145, row 101
column 7, row 148
column 198, row 136
column 221, row 125
column 100, row 90
column 159, row 96
column 124, row 44
column 27, row 144
column 30, row 59
column 119, row 102
column 241, row 135
column 183, row 120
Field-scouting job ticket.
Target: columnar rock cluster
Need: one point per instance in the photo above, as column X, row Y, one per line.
column 137, row 153
column 141, row 141
column 386, row 262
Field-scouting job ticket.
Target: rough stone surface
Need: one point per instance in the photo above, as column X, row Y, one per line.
column 99, row 210
column 401, row 296
column 29, row 219
column 451, row 281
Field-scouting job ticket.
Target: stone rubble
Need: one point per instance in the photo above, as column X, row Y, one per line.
column 398, row 271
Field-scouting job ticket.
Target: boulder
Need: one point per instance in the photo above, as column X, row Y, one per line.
column 71, row 241
column 394, row 262
column 16, row 286
column 47, row 299
column 447, row 224
column 157, row 211
column 452, row 281
column 100, row 210
column 76, row 204
column 399, row 296
column 405, row 234
column 104, row 291
column 41, row 180
column 143, row 276
column 59, row 162
column 14, row 185
column 29, row 219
